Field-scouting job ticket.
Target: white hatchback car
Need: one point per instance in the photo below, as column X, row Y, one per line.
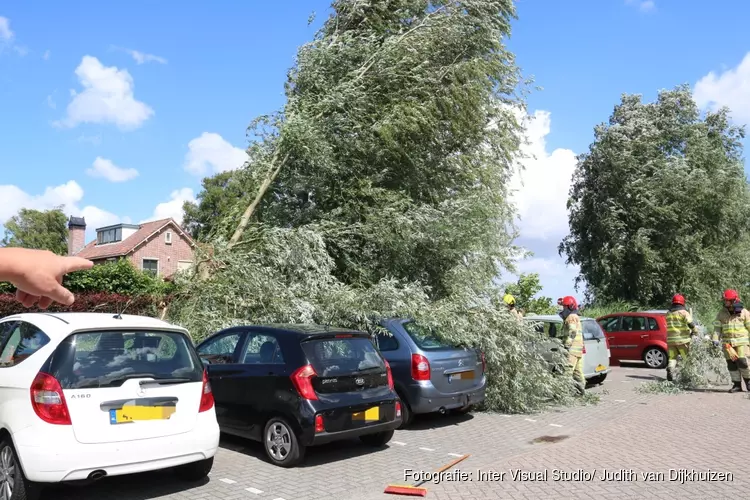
column 88, row 395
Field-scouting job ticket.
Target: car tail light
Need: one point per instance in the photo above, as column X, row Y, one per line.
column 484, row 362
column 302, row 380
column 319, row 426
column 420, row 367
column 207, row 395
column 398, row 409
column 48, row 400
column 390, row 375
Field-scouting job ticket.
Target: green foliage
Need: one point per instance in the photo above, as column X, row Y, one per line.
column 218, row 199
column 524, row 291
column 388, row 170
column 285, row 276
column 119, row 277
column 38, row 229
column 659, row 204
column 704, row 366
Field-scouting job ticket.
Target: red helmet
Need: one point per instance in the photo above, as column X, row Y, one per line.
column 731, row 295
column 569, row 302
column 678, row 300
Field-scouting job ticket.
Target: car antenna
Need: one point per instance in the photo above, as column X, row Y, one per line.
column 119, row 314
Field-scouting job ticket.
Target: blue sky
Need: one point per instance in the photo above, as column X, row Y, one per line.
column 117, row 110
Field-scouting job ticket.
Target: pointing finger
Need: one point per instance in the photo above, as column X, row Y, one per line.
column 70, row 264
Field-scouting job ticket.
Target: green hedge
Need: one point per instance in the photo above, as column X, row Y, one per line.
column 119, row 277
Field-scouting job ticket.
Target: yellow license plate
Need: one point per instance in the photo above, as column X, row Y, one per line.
column 371, row 415
column 463, row 375
column 601, row 368
column 138, row 413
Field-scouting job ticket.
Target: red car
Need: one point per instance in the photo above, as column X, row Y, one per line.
column 637, row 336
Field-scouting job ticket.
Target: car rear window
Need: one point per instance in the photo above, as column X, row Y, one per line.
column 108, row 358
column 338, row 356
column 591, row 330
column 424, row 337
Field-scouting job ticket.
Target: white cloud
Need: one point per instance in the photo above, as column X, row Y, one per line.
column 142, row 58
column 173, row 207
column 210, row 154
column 46, row 55
column 556, row 278
column 51, row 102
column 731, row 88
column 6, row 34
column 107, row 97
column 104, row 168
column 540, row 190
column 643, row 5
column 67, row 195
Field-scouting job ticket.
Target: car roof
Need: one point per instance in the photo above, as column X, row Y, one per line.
column 550, row 317
column 66, row 322
column 302, row 329
column 653, row 312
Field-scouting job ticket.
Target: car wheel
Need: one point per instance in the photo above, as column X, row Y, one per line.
column 195, row 471
column 378, row 439
column 281, row 443
column 13, row 482
column 407, row 416
column 655, row 358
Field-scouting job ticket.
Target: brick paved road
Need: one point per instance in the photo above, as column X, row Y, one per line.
column 626, row 430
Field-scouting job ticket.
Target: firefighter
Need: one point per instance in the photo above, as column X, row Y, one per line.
column 572, row 336
column 510, row 301
column 680, row 328
column 731, row 331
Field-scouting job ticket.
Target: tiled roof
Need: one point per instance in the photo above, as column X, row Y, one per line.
column 92, row 251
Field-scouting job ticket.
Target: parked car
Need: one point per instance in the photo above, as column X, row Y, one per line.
column 596, row 349
column 431, row 375
column 88, row 395
column 294, row 386
column 639, row 336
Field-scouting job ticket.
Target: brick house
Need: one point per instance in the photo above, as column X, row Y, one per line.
column 160, row 246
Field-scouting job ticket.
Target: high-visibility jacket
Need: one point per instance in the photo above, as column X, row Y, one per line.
column 679, row 326
column 572, row 333
column 732, row 329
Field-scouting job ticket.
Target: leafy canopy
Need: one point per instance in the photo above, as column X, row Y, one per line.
column 382, row 191
column 659, row 204
column 524, row 290
column 38, row 229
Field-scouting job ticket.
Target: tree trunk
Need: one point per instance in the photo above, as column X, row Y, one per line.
column 251, row 208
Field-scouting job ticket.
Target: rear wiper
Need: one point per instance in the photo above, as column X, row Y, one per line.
column 372, row 368
column 163, row 381
column 120, row 380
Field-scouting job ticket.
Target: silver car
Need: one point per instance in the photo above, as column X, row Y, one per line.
column 596, row 347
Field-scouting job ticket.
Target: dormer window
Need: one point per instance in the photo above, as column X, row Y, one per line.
column 109, row 235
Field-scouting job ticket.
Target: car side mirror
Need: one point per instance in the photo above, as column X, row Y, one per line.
column 205, row 361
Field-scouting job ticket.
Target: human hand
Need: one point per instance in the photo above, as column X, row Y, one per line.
column 37, row 275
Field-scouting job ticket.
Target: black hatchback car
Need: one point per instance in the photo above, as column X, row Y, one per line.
column 294, row 386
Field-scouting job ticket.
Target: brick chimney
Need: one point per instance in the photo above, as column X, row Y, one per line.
column 76, row 234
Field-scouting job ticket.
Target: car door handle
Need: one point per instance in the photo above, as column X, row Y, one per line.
column 644, row 336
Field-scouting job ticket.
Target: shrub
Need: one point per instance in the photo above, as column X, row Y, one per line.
column 145, row 305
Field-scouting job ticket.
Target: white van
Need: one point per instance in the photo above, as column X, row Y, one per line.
column 596, row 346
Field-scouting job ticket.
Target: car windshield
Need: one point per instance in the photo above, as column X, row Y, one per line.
column 424, row 337
column 332, row 357
column 109, row 358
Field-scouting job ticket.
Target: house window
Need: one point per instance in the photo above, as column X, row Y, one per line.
column 168, row 237
column 109, row 236
column 151, row 266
